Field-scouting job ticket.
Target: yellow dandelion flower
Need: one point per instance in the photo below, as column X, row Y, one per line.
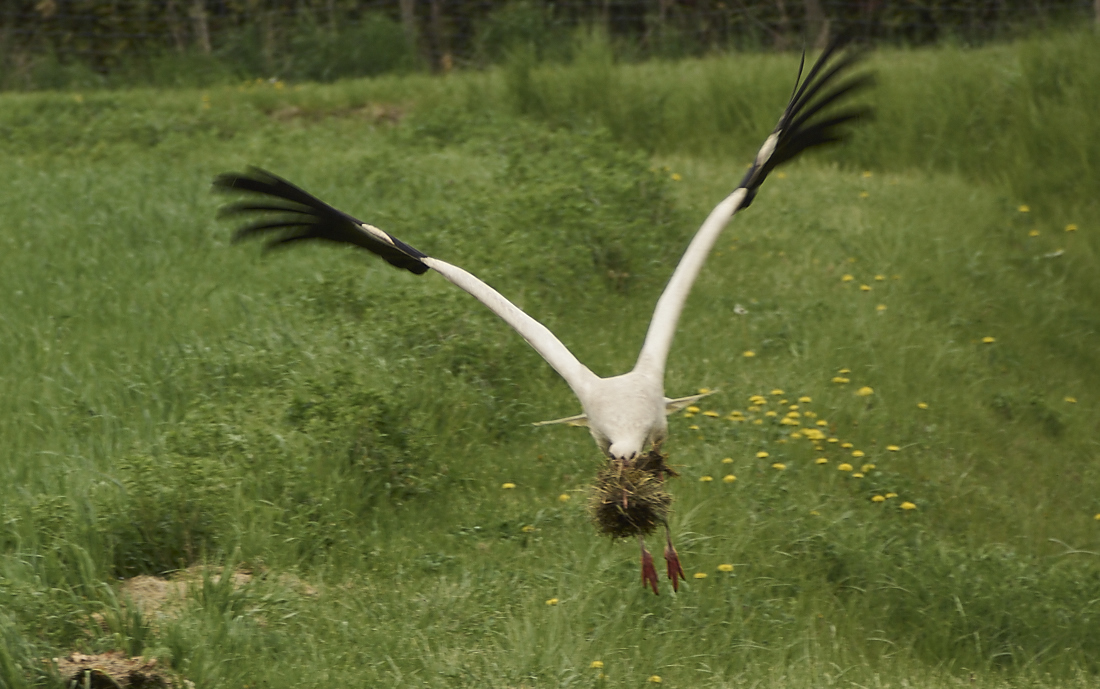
column 596, row 664
column 782, row 401
column 676, row 177
column 770, row 413
column 700, row 575
column 693, row 427
column 880, row 307
column 729, row 478
column 656, row 679
column 1071, row 227
column 847, row 277
column 1033, row 233
column 815, row 513
column 844, row 467
column 858, row 474
column 706, row 479
column 833, row 440
column 857, row 454
column 1023, row 208
column 908, row 506
column 866, row 174
column 864, row 194
column 761, row 455
column 891, row 495
column 793, row 407
column 893, row 448
column 844, row 371
column 796, row 434
column 841, row 380
column 552, row 601
column 922, row 405
column 704, row 391
column 565, row 497
column 864, row 288
column 880, row 278
column 805, row 399
column 779, row 466
column 777, row 391
column 865, row 391
column 711, row 414
column 822, row 422
column 725, row 568
column 821, row 460
column 727, row 460
column 794, row 414
column 878, row 498
column 1071, row 400
column 988, row 340
column 809, row 414
column 846, row 446
column 527, row 529
column 757, row 422
column 693, row 409
column 748, row 354
column 754, row 409
column 507, row 486
column 688, row 415
column 1097, row 517
column 866, row 467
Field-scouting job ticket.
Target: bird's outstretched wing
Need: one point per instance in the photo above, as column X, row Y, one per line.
column 809, row 120
column 288, row 214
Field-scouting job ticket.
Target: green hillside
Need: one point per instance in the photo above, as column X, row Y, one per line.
column 345, row 431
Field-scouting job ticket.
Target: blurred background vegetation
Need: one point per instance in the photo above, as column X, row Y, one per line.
column 47, row 44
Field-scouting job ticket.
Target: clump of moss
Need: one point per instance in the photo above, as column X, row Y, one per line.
column 629, row 498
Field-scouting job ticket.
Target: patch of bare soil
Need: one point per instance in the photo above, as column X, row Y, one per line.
column 113, row 671
column 159, row 598
column 374, row 113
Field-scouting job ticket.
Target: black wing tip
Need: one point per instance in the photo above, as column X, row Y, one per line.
column 294, row 215
column 803, row 125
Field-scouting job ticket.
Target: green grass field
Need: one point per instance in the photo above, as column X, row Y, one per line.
column 167, row 399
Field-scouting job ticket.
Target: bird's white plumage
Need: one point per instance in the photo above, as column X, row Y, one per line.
column 625, row 413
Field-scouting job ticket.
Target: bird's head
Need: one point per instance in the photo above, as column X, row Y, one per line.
column 625, row 450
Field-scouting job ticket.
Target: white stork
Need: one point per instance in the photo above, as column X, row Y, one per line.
column 625, row 413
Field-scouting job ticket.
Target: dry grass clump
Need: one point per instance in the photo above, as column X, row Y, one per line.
column 629, row 498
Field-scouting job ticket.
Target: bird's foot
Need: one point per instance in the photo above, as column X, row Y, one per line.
column 672, row 561
column 649, row 572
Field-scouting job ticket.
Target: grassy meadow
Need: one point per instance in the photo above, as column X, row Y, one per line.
column 926, row 296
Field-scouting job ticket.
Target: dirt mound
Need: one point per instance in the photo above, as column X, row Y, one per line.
column 113, row 671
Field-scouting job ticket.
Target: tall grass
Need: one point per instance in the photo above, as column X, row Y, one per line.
column 169, row 400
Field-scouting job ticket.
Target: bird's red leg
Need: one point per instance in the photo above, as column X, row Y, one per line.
column 649, row 572
column 672, row 561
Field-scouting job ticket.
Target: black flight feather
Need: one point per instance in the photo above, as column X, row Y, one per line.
column 799, row 128
column 300, row 216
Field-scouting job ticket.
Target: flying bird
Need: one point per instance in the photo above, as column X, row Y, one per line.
column 626, row 414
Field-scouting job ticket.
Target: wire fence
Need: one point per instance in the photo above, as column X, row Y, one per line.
column 323, row 39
